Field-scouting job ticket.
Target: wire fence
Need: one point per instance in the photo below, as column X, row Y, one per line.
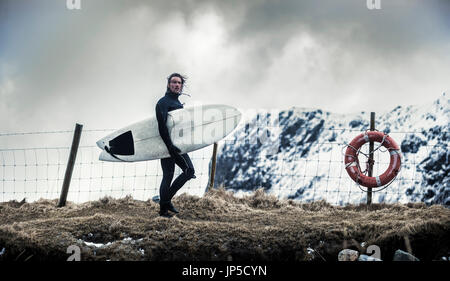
column 38, row 172
column 322, row 176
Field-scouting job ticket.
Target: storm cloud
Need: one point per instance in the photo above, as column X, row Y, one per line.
column 106, row 64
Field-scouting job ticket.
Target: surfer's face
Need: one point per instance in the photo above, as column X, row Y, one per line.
column 175, row 85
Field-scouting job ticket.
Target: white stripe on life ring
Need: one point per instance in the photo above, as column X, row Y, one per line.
column 351, row 164
column 378, row 181
column 366, row 138
column 393, row 152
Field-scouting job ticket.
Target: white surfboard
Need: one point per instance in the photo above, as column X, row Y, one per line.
column 190, row 129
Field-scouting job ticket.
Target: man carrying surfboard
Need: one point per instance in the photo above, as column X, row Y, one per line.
column 167, row 191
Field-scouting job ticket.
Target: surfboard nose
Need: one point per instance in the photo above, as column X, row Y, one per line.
column 101, row 144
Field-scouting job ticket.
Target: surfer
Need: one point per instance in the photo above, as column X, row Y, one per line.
column 167, row 191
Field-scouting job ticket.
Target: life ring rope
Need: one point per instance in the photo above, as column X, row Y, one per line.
column 368, row 154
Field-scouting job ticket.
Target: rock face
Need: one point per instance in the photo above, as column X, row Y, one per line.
column 348, row 255
column 298, row 154
column 404, row 256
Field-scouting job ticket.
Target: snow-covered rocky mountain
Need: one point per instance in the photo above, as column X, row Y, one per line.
column 298, row 154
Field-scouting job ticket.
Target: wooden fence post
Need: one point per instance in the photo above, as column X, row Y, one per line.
column 70, row 164
column 370, row 169
column 213, row 168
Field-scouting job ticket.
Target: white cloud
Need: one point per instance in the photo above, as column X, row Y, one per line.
column 106, row 64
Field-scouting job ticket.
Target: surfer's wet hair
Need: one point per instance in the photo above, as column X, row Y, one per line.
column 182, row 77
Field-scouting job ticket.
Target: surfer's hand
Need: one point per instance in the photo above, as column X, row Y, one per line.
column 173, row 150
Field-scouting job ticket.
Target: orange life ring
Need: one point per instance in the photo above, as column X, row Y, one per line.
column 352, row 162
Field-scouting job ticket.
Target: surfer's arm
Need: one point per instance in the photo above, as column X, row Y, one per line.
column 161, row 116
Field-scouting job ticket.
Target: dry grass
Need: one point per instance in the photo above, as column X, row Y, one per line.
column 219, row 226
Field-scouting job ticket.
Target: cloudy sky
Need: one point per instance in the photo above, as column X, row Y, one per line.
column 105, row 65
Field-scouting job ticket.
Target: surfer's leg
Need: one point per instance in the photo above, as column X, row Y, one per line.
column 185, row 163
column 188, row 173
column 180, row 161
column 168, row 168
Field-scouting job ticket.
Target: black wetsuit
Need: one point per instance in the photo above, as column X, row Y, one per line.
column 168, row 103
